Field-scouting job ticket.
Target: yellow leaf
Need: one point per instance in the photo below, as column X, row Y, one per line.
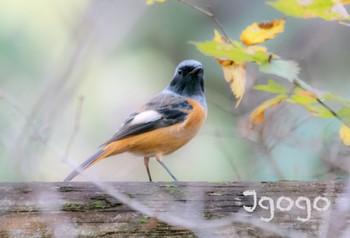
column 261, row 32
column 222, row 40
column 222, row 47
column 258, row 115
column 235, row 75
column 344, row 134
column 253, row 49
column 327, row 9
column 219, row 38
column 150, row 2
column 303, row 97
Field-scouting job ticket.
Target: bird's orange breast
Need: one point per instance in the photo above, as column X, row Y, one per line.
column 165, row 140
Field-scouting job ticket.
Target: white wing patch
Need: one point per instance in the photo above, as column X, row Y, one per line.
column 145, row 117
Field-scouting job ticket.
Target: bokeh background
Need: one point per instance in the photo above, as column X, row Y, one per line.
column 71, row 71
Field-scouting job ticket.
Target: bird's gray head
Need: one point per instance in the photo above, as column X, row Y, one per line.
column 188, row 79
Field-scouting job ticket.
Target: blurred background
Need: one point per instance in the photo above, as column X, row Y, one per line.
column 71, row 71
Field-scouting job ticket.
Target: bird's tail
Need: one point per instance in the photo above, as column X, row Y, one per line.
column 99, row 155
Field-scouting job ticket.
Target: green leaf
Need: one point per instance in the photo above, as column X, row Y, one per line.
column 237, row 53
column 326, row 9
column 273, row 87
column 319, row 111
column 237, row 44
column 284, row 68
column 302, row 99
column 344, row 114
column 334, row 98
column 150, row 2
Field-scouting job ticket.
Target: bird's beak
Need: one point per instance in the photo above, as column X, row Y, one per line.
column 195, row 70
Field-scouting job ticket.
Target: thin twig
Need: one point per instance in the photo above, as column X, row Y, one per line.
column 303, row 85
column 344, row 23
column 296, row 82
column 13, row 102
column 76, row 124
column 211, row 226
column 330, row 110
column 207, row 13
column 60, row 79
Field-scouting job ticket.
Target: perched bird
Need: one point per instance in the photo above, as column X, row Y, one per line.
column 164, row 124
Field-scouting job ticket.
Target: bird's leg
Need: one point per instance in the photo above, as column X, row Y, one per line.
column 159, row 159
column 146, row 161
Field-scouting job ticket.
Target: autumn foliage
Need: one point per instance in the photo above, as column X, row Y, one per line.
column 233, row 56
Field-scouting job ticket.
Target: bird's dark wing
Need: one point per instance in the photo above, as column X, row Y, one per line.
column 161, row 111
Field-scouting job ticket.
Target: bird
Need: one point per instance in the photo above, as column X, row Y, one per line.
column 162, row 125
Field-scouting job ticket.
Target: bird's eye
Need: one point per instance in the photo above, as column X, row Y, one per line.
column 179, row 72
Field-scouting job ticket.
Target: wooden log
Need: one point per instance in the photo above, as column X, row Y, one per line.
column 227, row 209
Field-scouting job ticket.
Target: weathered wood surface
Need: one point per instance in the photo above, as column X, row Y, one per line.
column 84, row 210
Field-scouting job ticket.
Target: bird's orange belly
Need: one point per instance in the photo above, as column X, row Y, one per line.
column 162, row 141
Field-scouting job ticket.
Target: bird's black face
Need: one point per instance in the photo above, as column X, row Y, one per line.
column 188, row 79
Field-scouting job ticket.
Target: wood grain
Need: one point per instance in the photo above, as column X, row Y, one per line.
column 78, row 209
